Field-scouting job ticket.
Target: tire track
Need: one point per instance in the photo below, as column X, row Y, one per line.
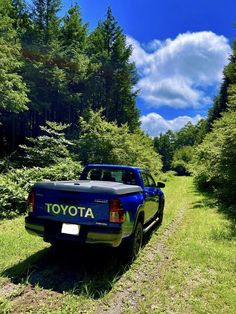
column 127, row 292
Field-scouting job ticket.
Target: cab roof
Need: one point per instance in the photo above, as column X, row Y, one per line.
column 114, row 166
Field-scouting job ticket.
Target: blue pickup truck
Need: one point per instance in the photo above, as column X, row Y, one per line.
column 109, row 205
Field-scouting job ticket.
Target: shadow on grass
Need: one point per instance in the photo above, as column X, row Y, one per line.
column 209, row 200
column 230, row 214
column 80, row 270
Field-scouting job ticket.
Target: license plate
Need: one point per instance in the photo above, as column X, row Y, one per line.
column 70, row 229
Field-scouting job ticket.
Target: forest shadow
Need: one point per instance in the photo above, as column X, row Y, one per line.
column 210, row 200
column 230, row 213
column 78, row 270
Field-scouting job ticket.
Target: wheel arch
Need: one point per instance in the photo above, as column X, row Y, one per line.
column 139, row 217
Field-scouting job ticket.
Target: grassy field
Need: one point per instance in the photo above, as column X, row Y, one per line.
column 187, row 265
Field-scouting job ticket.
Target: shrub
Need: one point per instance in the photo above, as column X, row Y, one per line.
column 214, row 163
column 49, row 148
column 16, row 184
column 181, row 160
column 104, row 142
column 166, row 176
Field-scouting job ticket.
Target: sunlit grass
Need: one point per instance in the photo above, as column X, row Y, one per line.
column 200, row 275
column 197, row 277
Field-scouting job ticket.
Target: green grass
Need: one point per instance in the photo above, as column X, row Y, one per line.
column 197, row 274
column 200, row 274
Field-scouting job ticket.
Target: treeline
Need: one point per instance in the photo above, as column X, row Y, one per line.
column 177, row 148
column 67, row 99
column 208, row 149
column 50, row 156
column 53, row 69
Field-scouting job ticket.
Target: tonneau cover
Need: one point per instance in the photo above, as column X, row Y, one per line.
column 89, row 186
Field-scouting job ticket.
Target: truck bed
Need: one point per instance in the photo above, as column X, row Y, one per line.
column 90, row 186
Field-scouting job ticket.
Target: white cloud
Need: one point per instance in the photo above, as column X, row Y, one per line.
column 154, row 124
column 152, row 45
column 139, row 55
column 177, row 73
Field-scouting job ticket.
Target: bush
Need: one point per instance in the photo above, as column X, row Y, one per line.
column 214, row 164
column 49, row 148
column 181, row 160
column 104, row 142
column 166, row 176
column 16, row 184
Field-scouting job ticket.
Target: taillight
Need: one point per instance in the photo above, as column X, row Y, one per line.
column 30, row 202
column 116, row 211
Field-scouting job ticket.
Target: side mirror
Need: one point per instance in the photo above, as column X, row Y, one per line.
column 160, row 185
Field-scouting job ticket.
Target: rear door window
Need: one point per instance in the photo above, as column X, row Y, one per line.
column 105, row 174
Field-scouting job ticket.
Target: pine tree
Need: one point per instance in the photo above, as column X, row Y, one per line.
column 21, row 18
column 73, row 37
column 43, row 59
column 221, row 101
column 13, row 91
column 46, row 22
column 74, row 32
column 111, row 84
column 52, row 25
column 38, row 16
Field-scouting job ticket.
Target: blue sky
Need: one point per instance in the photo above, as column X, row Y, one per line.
column 180, row 49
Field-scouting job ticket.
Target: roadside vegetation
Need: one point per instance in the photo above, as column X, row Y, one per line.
column 208, row 149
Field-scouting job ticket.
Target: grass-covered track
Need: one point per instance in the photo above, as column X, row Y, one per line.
column 186, row 266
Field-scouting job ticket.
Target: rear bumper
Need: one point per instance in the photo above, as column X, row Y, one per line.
column 51, row 232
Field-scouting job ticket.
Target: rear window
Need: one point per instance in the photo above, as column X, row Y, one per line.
column 121, row 176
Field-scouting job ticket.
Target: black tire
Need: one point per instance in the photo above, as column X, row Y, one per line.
column 161, row 211
column 135, row 242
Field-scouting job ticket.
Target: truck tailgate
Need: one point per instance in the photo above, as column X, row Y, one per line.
column 71, row 206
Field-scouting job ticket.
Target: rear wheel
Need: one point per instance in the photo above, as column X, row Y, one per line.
column 134, row 243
